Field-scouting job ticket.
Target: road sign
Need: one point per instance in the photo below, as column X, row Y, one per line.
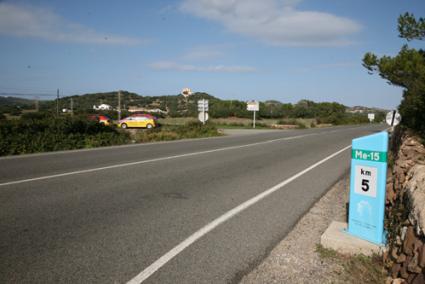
column 253, row 106
column 367, row 187
column 203, row 117
column 203, row 105
column 393, row 118
column 186, row 92
column 203, row 108
column 371, row 116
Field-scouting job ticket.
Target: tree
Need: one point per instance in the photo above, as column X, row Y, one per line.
column 406, row 70
column 410, row 28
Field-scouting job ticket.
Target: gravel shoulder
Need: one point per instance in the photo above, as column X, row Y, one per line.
column 294, row 259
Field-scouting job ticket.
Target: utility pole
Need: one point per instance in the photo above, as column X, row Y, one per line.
column 72, row 107
column 57, row 102
column 119, row 105
column 36, row 104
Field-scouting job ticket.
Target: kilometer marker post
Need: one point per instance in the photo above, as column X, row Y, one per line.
column 367, row 187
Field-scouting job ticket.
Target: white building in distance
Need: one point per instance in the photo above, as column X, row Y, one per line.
column 102, row 107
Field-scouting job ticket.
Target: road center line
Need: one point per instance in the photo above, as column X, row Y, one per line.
column 153, row 160
column 151, row 269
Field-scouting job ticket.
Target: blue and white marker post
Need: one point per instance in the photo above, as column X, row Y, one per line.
column 367, row 187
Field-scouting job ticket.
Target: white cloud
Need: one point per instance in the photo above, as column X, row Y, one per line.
column 171, row 65
column 339, row 65
column 203, row 53
column 275, row 21
column 28, row 21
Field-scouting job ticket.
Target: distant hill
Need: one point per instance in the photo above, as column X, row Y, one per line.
column 362, row 109
column 14, row 101
column 14, row 105
column 178, row 105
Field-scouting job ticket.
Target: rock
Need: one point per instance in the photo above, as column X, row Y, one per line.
column 416, row 194
column 417, row 245
column 394, row 253
column 403, row 232
column 395, row 270
column 419, row 279
column 406, row 164
column 401, row 258
column 398, row 281
column 403, row 271
column 398, row 241
column 409, row 240
column 413, row 264
column 390, row 193
column 421, row 259
column 402, row 178
column 385, row 256
column 411, row 277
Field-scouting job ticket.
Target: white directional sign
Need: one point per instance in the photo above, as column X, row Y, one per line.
column 253, row 106
column 371, row 116
column 203, row 105
column 203, row 108
column 393, row 118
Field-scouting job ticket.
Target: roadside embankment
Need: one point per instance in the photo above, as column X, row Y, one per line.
column 405, row 210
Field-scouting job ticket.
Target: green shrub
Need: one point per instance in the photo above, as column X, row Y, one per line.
column 174, row 132
column 39, row 133
column 287, row 121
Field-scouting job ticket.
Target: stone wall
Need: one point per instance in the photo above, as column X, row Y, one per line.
column 405, row 210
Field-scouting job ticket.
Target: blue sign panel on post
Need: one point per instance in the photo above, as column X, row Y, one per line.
column 367, row 187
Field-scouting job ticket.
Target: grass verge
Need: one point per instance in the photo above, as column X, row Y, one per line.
column 176, row 132
column 355, row 269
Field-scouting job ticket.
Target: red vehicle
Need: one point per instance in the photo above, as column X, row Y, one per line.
column 102, row 119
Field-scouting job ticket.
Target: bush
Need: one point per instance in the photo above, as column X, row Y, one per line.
column 39, row 133
column 189, row 130
column 287, row 121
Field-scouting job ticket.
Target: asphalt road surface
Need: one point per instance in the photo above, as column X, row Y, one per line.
column 118, row 214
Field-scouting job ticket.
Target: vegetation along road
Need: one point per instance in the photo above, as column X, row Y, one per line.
column 192, row 211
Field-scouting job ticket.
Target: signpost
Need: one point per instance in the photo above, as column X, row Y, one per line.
column 253, row 106
column 393, row 118
column 367, row 187
column 186, row 92
column 371, row 116
column 203, row 109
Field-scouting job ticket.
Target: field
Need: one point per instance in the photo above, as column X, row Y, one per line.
column 236, row 122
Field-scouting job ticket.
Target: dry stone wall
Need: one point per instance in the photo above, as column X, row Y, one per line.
column 405, row 210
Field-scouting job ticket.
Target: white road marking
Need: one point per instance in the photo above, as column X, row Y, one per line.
column 151, row 269
column 153, row 160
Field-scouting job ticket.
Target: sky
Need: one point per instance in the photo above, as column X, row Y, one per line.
column 284, row 50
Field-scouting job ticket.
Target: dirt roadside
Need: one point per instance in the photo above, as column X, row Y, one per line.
column 297, row 258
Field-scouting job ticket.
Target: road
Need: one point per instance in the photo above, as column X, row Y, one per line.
column 107, row 215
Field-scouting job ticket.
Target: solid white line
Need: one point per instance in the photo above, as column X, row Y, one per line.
column 151, row 269
column 152, row 160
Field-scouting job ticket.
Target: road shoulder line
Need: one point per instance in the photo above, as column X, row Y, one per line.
column 152, row 160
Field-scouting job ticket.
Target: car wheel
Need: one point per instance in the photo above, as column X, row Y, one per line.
column 124, row 125
column 149, row 126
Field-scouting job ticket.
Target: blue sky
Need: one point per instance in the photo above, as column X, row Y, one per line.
column 285, row 50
